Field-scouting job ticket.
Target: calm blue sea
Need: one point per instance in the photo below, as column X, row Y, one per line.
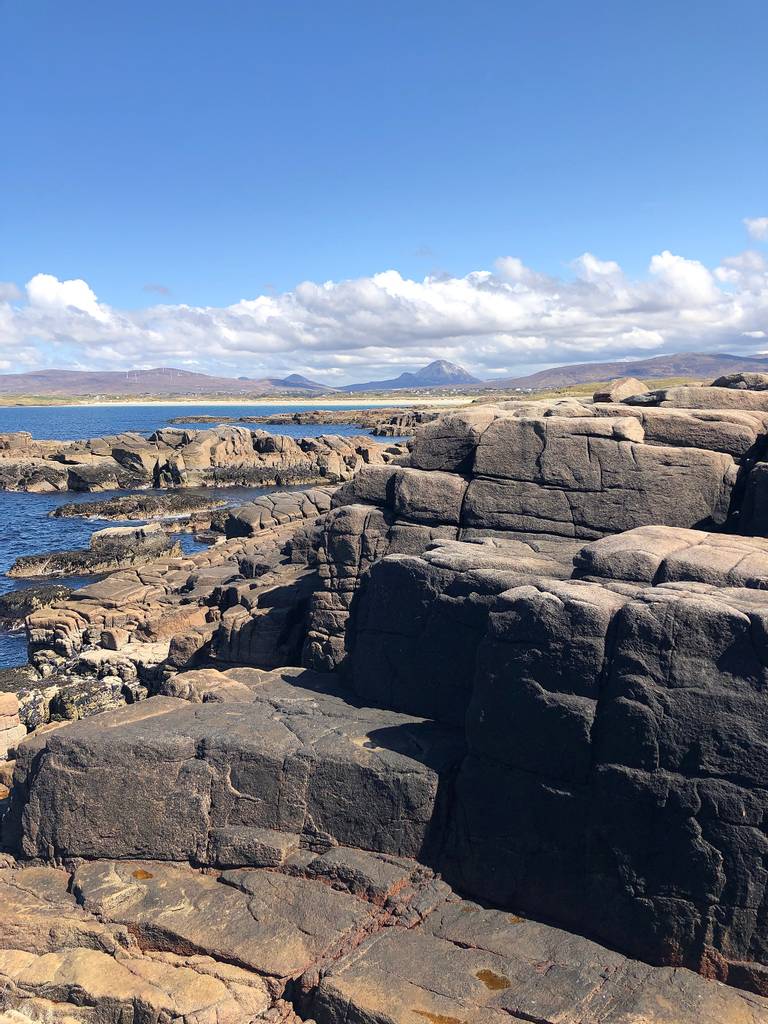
column 25, row 525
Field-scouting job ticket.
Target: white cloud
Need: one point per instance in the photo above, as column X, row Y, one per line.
column 350, row 329
column 590, row 268
column 48, row 292
column 757, row 227
column 9, row 292
column 686, row 282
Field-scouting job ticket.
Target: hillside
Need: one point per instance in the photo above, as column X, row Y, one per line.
column 697, row 365
column 160, row 381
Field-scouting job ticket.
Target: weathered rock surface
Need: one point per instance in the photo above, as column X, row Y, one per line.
column 297, row 759
column 467, row 965
column 271, row 510
column 566, row 730
column 639, row 819
column 690, row 397
column 139, row 506
column 222, row 456
column 743, row 381
column 12, row 732
column 363, row 938
column 16, row 605
column 112, row 548
column 618, row 390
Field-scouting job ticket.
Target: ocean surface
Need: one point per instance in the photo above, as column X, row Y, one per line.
column 26, row 527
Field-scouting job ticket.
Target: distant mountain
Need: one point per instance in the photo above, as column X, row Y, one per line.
column 160, row 381
column 699, row 365
column 296, row 380
column 439, row 373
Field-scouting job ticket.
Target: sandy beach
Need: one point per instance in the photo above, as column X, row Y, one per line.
column 316, row 403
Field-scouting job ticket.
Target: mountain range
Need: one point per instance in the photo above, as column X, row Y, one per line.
column 698, row 365
column 163, row 380
column 169, row 381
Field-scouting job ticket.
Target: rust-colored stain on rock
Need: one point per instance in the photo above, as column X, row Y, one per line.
column 438, row 1018
column 495, row 982
column 141, row 874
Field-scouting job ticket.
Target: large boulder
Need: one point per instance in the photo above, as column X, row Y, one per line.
column 618, row 390
column 743, row 381
column 295, row 759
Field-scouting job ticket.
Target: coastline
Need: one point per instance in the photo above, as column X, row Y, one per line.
column 303, row 402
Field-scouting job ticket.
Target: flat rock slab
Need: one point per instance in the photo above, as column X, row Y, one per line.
column 39, row 914
column 155, row 780
column 665, row 554
column 466, row 965
column 274, row 924
column 61, row 964
column 144, row 988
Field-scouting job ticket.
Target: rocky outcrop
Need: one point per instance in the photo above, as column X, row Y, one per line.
column 743, row 381
column 140, row 506
column 296, row 758
column 550, row 642
column 223, row 456
column 242, row 601
column 271, row 510
column 530, row 472
column 16, row 605
column 638, row 820
column 12, row 732
column 333, row 938
column 115, row 547
column 699, row 397
column 381, row 422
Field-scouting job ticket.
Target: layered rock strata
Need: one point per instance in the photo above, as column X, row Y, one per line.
column 531, row 472
column 335, row 938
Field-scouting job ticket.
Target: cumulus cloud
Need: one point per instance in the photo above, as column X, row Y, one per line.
column 492, row 321
column 757, row 227
column 47, row 292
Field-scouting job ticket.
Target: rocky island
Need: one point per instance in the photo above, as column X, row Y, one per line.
column 471, row 733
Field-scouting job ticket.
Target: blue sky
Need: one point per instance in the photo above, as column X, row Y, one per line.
column 199, row 154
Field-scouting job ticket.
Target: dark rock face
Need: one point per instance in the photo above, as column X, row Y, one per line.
column 531, row 471
column 113, row 548
column 743, row 381
column 18, row 604
column 619, row 726
column 139, row 506
column 294, row 759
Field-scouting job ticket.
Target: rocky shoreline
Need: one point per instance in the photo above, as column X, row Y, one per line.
column 112, row 548
column 474, row 733
column 141, row 507
column 380, row 422
column 220, row 457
